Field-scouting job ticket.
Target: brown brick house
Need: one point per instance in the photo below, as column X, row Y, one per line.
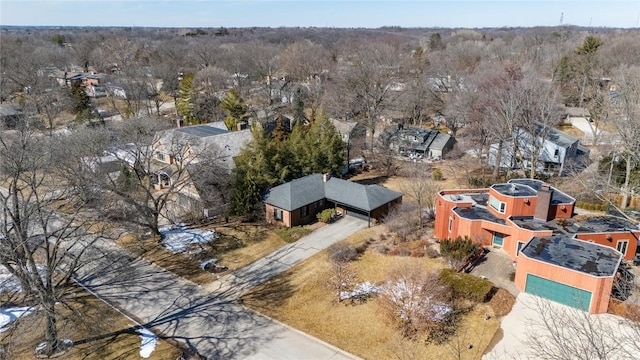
column 299, row 201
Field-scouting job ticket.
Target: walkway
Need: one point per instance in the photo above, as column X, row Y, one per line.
column 213, row 324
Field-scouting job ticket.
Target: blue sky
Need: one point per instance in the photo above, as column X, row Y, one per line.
column 319, row 13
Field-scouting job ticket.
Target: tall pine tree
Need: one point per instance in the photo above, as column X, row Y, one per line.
column 269, row 161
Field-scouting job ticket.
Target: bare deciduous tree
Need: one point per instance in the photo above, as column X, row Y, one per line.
column 420, row 187
column 43, row 234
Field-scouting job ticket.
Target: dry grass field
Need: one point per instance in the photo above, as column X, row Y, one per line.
column 301, row 298
column 97, row 331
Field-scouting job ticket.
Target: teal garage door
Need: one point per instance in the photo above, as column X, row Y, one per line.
column 558, row 292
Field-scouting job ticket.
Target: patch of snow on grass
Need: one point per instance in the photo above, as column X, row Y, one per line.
column 9, row 315
column 178, row 238
column 149, row 341
column 204, row 264
column 365, row 289
column 8, row 282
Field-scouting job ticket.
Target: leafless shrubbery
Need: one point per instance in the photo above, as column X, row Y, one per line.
column 342, row 278
column 415, row 302
column 401, row 223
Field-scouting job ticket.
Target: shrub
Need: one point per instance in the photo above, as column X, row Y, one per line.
column 382, row 249
column 362, row 248
column 437, row 174
column 459, row 250
column 341, row 253
column 403, row 251
column 326, row 215
column 431, row 253
column 466, row 286
column 417, row 252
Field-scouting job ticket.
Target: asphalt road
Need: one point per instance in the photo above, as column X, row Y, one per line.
column 210, row 320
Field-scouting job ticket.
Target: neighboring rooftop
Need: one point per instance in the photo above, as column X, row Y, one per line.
column 605, row 224
column 514, row 189
column 204, row 130
column 557, row 196
column 583, row 256
column 558, row 137
column 477, row 213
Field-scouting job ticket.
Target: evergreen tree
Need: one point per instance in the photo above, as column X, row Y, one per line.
column 271, row 160
column 184, row 107
column 236, row 109
column 81, row 101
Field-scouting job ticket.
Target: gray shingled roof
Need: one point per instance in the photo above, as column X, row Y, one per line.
column 311, row 188
column 440, row 141
column 209, row 136
column 363, row 197
column 297, row 193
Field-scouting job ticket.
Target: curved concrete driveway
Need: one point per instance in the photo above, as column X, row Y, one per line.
column 210, row 320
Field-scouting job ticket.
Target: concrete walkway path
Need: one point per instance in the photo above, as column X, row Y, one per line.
column 212, row 323
column 242, row 280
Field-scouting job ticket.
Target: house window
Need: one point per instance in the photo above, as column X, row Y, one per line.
column 304, row 211
column 277, row 214
column 450, row 223
column 622, row 246
column 498, row 205
column 498, row 239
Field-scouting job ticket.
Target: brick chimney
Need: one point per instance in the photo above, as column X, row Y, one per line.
column 326, row 177
column 543, row 201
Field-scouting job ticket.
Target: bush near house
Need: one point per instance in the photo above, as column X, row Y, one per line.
column 326, row 215
column 466, row 286
column 591, row 206
column 458, row 250
column 437, row 174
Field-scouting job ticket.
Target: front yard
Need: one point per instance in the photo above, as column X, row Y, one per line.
column 301, row 298
column 184, row 251
column 97, row 331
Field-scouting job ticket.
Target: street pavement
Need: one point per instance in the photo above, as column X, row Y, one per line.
column 209, row 320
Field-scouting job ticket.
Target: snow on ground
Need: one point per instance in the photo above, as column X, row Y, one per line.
column 8, row 282
column 203, row 265
column 149, row 341
column 178, row 238
column 9, row 315
column 365, row 289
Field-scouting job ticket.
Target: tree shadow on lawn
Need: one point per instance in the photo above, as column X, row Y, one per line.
column 270, row 295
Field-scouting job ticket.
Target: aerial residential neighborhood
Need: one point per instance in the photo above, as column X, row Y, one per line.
column 236, row 180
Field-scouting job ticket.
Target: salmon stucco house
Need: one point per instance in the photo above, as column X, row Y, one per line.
column 299, row 201
column 570, row 259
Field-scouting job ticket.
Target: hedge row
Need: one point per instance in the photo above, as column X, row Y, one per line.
column 466, row 286
column 591, row 206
